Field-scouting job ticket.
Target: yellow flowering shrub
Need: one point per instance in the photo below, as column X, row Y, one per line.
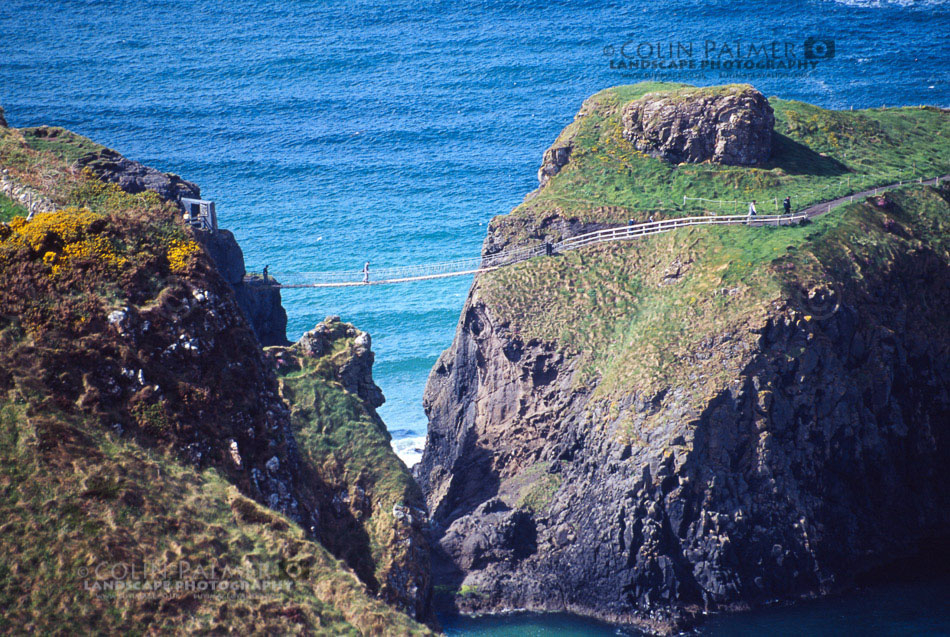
column 71, row 231
column 67, row 225
column 181, row 255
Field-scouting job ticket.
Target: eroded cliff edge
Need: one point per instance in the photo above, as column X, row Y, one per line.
column 705, row 420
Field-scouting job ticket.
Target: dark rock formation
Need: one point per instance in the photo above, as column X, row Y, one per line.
column 829, row 455
column 134, row 177
column 262, row 306
column 259, row 301
column 554, row 159
column 3, row 119
column 726, row 125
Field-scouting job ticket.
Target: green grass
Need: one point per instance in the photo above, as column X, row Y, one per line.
column 73, row 497
column 348, row 445
column 541, row 493
column 634, row 325
column 817, row 155
column 10, row 209
column 65, row 145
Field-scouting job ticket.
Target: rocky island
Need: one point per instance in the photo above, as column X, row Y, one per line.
column 711, row 419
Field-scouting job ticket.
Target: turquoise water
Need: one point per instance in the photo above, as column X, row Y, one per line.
column 335, row 132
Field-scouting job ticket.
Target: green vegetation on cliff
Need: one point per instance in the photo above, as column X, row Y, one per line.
column 817, row 154
column 140, row 427
column 632, row 313
column 378, row 508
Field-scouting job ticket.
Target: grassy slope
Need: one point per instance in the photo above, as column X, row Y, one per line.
column 63, row 144
column 818, row 154
column 72, row 494
column 10, row 209
column 636, row 313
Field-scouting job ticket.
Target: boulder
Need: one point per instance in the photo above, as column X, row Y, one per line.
column 554, row 159
column 726, row 125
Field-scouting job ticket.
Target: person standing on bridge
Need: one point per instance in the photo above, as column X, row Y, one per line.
column 787, row 205
column 366, row 272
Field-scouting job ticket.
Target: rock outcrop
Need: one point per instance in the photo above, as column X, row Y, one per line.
column 825, row 458
column 259, row 300
column 373, row 515
column 554, row 159
column 725, row 125
column 134, row 177
column 3, row 119
column 650, row 431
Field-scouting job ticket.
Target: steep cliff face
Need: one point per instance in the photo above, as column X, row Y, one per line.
column 373, row 513
column 259, row 300
column 705, row 420
column 136, row 405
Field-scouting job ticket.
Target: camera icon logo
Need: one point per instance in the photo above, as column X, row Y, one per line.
column 819, row 48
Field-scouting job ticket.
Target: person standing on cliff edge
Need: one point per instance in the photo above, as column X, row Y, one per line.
column 366, row 272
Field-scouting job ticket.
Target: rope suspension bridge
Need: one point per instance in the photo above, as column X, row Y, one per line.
column 476, row 265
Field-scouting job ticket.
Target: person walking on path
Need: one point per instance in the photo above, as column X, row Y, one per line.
column 787, row 205
column 752, row 208
column 366, row 272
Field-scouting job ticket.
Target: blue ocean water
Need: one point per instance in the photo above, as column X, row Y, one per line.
column 334, row 132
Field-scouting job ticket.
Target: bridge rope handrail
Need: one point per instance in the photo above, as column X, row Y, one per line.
column 474, row 265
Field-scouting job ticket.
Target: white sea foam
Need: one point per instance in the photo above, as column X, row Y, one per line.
column 409, row 449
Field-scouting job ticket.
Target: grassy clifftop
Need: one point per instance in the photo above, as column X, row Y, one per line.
column 817, row 154
column 635, row 314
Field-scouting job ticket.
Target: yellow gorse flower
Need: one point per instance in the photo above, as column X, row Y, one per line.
column 181, row 255
column 71, row 228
